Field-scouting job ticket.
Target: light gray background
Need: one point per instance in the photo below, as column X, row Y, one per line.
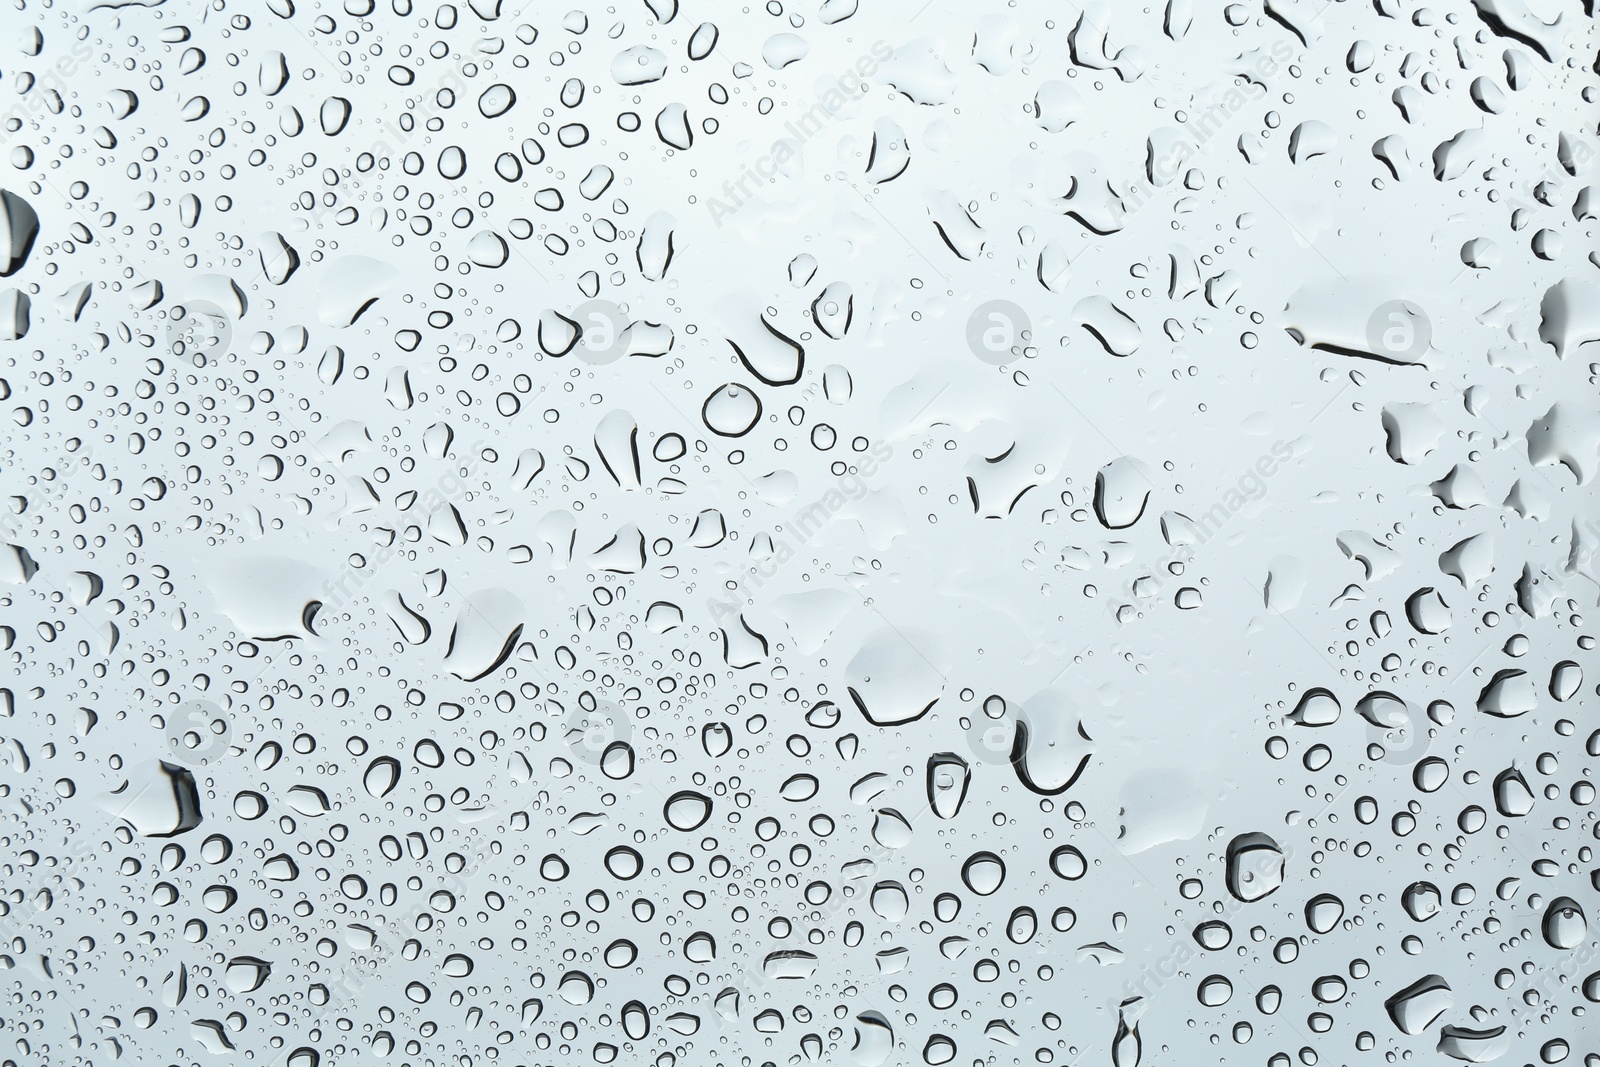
column 326, row 539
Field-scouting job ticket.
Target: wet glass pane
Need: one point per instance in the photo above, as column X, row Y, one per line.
column 867, row 532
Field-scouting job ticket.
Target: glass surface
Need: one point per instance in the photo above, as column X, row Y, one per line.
column 867, row 532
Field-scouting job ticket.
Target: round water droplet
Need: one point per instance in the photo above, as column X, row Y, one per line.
column 1323, row 912
column 1215, row 991
column 1565, row 926
column 731, row 411
column 983, row 873
column 687, row 810
column 1068, row 862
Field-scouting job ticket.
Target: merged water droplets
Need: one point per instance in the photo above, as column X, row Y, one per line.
column 1255, row 867
column 949, row 778
column 1565, row 925
column 1421, row 900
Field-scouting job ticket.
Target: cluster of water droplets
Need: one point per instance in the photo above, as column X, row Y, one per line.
column 815, row 532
